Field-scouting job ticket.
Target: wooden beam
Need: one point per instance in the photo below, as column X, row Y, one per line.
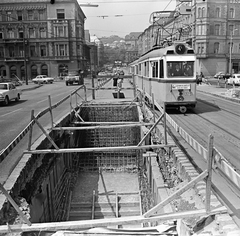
column 209, row 169
column 16, row 207
column 98, row 149
column 81, row 224
column 110, row 123
column 99, row 127
column 46, row 134
column 175, row 194
column 140, row 143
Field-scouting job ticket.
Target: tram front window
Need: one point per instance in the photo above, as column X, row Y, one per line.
column 180, row 68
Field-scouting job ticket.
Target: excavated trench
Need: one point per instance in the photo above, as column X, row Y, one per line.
column 50, row 184
column 47, row 184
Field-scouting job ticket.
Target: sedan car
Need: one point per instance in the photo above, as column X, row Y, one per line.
column 234, row 79
column 43, row 79
column 9, row 92
column 222, row 75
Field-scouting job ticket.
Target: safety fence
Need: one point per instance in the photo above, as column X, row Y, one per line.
column 220, row 161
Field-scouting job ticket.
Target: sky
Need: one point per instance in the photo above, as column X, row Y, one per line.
column 121, row 17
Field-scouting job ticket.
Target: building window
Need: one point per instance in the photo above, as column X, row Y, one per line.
column 11, row 51
column 199, row 12
column 203, row 12
column 3, row 71
column 1, row 52
column 21, row 51
column 60, row 14
column 61, row 50
column 19, row 15
column 41, row 14
column 20, row 34
column 34, row 71
column 44, row 70
column 30, row 15
column 217, row 30
column 13, row 71
column 216, row 48
column 32, row 51
column 10, row 34
column 231, row 13
column 32, row 33
column 60, row 31
column 217, row 12
column 43, row 51
column 9, row 16
column 1, row 35
column 42, row 33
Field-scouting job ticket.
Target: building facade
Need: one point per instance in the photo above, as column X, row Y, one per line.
column 131, row 45
column 37, row 37
column 212, row 28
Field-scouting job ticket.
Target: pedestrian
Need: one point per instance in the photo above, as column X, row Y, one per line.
column 202, row 78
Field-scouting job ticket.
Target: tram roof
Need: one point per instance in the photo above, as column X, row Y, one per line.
column 157, row 52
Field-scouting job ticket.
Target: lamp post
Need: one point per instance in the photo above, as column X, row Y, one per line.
column 230, row 51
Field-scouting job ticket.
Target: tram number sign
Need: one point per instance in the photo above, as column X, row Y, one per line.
column 181, row 86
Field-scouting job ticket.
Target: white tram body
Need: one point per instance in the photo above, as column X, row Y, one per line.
column 169, row 74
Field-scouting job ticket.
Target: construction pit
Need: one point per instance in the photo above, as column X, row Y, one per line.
column 105, row 182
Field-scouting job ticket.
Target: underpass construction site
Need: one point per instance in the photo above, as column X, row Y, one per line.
column 110, row 167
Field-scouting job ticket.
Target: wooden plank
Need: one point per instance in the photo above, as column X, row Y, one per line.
column 110, row 123
column 209, row 169
column 175, row 194
column 99, row 127
column 98, row 149
column 16, row 207
column 150, row 130
column 82, row 224
column 46, row 134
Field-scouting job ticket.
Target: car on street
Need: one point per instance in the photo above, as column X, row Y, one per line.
column 43, row 79
column 74, row 76
column 234, row 79
column 222, row 75
column 9, row 92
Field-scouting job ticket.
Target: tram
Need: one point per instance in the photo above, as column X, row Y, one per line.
column 168, row 73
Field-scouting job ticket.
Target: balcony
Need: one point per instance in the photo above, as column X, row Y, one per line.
column 61, row 58
column 15, row 40
column 15, row 59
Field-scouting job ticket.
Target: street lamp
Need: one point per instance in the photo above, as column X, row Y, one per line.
column 230, row 51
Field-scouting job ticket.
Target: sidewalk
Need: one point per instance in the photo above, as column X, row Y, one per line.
column 220, row 91
column 30, row 86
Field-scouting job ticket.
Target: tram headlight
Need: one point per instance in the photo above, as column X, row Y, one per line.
column 180, row 98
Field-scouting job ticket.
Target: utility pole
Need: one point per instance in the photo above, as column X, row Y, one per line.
column 25, row 56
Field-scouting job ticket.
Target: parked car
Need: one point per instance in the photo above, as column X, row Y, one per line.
column 219, row 74
column 9, row 92
column 222, row 75
column 43, row 79
column 234, row 79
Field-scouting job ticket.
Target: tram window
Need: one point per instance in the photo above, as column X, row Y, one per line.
column 180, row 68
column 161, row 69
column 154, row 69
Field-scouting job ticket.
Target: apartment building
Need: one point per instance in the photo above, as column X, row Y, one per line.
column 40, row 37
column 212, row 28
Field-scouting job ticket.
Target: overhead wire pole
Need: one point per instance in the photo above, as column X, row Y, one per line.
column 25, row 56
